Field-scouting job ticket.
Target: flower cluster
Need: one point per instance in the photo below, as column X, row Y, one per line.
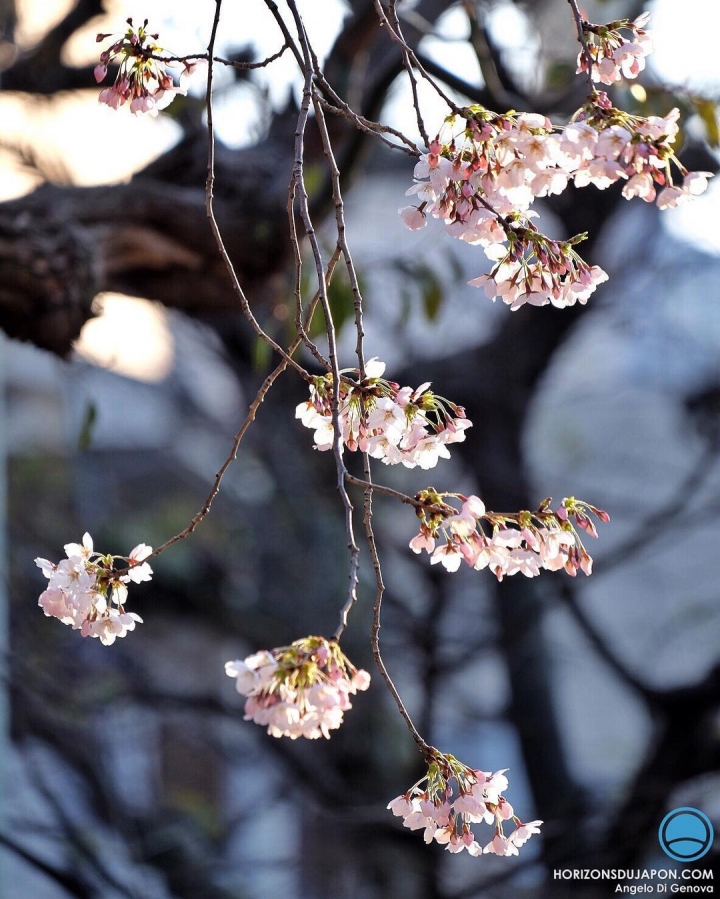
column 88, row 592
column 636, row 149
column 537, row 271
column 614, row 57
column 391, row 423
column 482, row 179
column 482, row 182
column 142, row 79
column 523, row 542
column 445, row 812
column 301, row 690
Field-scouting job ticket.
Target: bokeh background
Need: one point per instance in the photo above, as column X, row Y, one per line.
column 128, row 771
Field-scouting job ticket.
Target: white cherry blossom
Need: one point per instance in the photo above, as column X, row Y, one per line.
column 451, row 797
column 87, row 590
column 301, row 690
column 398, row 425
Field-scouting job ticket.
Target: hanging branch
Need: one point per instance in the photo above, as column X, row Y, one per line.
column 299, row 186
column 209, row 185
column 424, row 747
column 579, row 25
column 412, row 62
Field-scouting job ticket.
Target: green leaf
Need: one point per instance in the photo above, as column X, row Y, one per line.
column 432, row 294
column 88, row 426
column 260, row 355
column 707, row 111
column 341, row 301
column 428, row 283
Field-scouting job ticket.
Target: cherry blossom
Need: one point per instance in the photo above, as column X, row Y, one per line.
column 483, row 172
column 392, row 423
column 87, row 591
column 451, row 797
column 481, row 181
column 413, row 218
column 638, row 150
column 301, row 690
column 518, row 543
column 142, row 79
column 613, row 56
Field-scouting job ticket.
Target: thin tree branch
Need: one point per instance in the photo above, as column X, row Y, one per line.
column 303, row 201
column 396, row 33
column 579, row 25
column 210, row 212
column 412, row 61
column 229, row 63
column 424, row 747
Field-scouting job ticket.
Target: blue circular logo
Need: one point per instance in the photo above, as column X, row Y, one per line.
column 686, row 834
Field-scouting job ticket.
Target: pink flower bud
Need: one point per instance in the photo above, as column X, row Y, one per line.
column 361, row 680
column 413, row 218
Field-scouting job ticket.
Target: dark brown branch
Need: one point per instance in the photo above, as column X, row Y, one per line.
column 41, row 69
column 64, row 879
column 61, row 246
column 656, row 523
column 504, row 92
column 601, row 646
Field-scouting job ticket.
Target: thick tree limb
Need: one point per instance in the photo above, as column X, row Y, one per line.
column 41, row 69
column 61, row 246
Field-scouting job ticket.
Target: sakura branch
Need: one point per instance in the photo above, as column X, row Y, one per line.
column 608, row 56
column 298, row 188
column 482, row 174
column 424, row 747
column 339, row 205
column 210, row 211
column 480, row 177
column 376, row 129
column 142, row 78
column 396, row 35
column 410, row 61
column 505, row 543
column 585, row 51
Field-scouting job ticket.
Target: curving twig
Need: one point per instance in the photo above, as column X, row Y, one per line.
column 580, row 26
column 298, row 186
